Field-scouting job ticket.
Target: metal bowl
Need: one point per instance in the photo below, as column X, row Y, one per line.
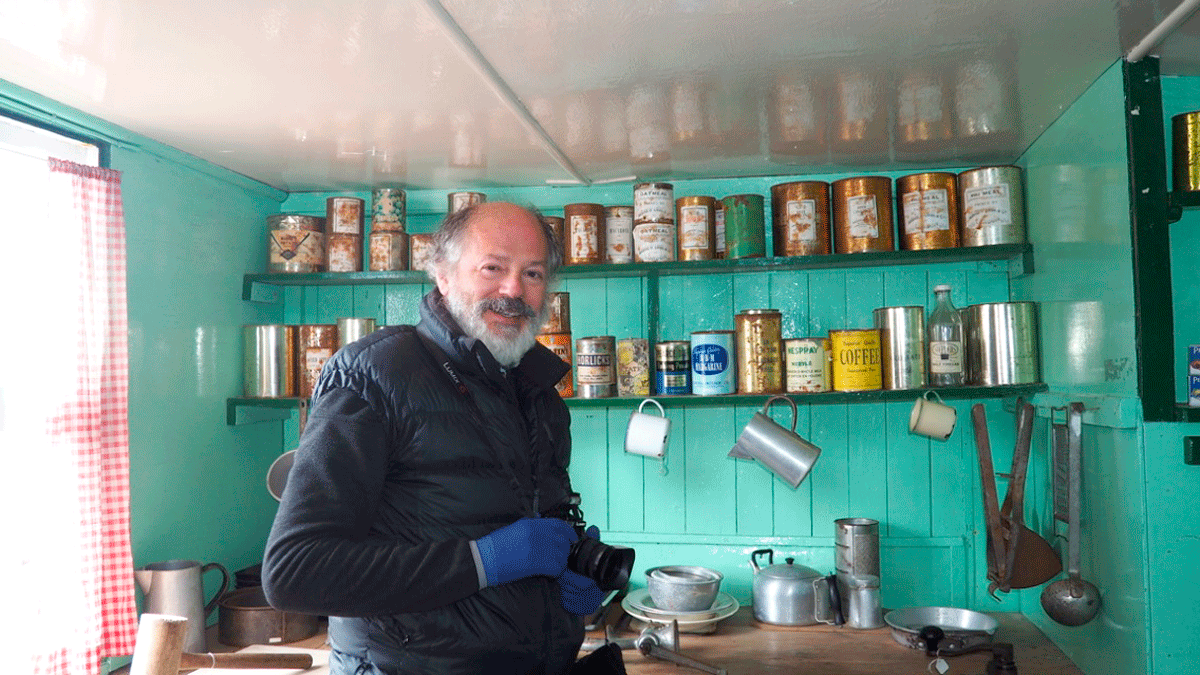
column 963, row 628
column 683, row 588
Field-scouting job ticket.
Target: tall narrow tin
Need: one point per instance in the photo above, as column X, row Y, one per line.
column 1185, row 152
column 902, row 337
column 745, row 232
column 759, row 351
column 584, row 229
column 695, row 220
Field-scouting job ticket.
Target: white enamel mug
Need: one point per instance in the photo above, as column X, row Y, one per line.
column 932, row 418
column 647, row 434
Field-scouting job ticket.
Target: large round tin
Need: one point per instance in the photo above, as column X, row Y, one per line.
column 672, row 367
column 862, row 214
column 653, row 203
column 993, row 206
column 714, row 363
column 296, row 243
column 695, row 224
column 856, row 541
column 420, row 252
column 269, row 360
column 800, row 218
column 388, row 251
column 745, row 233
column 618, row 234
column 318, row 342
column 351, row 329
column 633, row 367
column 856, row 359
column 558, row 319
column 584, row 226
column 558, row 231
column 759, row 351
column 560, row 344
column 457, row 201
column 595, row 366
column 344, row 215
column 806, row 365
column 389, row 210
column 654, row 242
column 1002, row 343
column 1185, row 152
column 902, row 335
column 929, row 211
column 343, row 252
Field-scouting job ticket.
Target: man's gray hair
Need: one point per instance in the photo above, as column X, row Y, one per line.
column 448, row 240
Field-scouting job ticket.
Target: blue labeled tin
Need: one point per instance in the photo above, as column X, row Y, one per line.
column 713, row 363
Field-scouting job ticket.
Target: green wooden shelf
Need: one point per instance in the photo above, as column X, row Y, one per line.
column 1186, row 413
column 248, row 410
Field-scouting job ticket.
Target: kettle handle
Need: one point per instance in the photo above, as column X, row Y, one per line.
column 777, row 397
column 770, row 557
column 212, row 604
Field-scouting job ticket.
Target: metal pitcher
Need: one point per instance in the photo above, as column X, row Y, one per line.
column 781, row 450
column 177, row 587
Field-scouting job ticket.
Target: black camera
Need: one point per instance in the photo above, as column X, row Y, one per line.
column 608, row 566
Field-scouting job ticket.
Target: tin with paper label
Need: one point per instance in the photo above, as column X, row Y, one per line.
column 633, row 367
column 673, row 367
column 800, row 218
column 806, row 365
column 862, row 214
column 992, row 200
column 584, row 225
column 714, row 363
column 653, row 203
column 296, row 243
column 654, row 242
column 694, row 222
column 344, row 215
column 595, row 366
column 389, row 211
column 856, row 359
column 560, row 344
column 457, row 201
column 929, row 212
column 558, row 319
column 618, row 234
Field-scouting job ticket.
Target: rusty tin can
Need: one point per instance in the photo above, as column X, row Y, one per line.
column 862, row 214
column 993, row 206
column 560, row 344
column 1185, row 152
column 558, row 319
column 673, row 367
column 695, row 221
column 745, row 232
column 318, row 342
column 344, row 215
column 633, row 367
column 714, row 362
column 296, row 243
column 343, row 252
column 928, row 210
column 558, row 230
column 595, row 366
column 389, row 210
column 457, row 201
column 388, row 251
column 585, row 234
column 902, row 338
column 806, row 365
column 654, row 242
column 618, row 234
column 856, row 356
column 653, row 203
column 420, row 252
column 759, row 351
column 719, row 228
column 800, row 218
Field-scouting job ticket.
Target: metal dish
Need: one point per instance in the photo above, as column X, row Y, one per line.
column 683, row 588
column 962, row 628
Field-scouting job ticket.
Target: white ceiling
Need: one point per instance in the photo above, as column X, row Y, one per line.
column 335, row 94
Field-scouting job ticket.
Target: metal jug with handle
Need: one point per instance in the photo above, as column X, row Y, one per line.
column 780, row 449
column 177, row 587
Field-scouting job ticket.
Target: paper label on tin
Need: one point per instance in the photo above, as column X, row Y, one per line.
column 314, row 360
column 654, row 205
column 654, row 242
column 633, row 367
column 618, row 239
column 1194, row 390
column 693, row 227
column 719, row 218
column 585, row 237
column 987, row 207
column 1193, row 359
column 801, row 221
column 864, row 216
column 926, row 211
column 347, row 217
column 945, row 357
column 806, row 367
column 297, row 246
column 594, row 369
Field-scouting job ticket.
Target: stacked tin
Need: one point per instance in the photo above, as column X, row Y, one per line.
column 344, row 234
column 654, row 222
column 389, row 241
column 457, row 201
column 555, row 335
column 420, row 252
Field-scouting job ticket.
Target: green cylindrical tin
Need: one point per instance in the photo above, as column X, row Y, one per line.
column 745, row 234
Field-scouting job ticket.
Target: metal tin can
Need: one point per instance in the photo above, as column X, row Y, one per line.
column 714, row 363
column 389, row 210
column 1185, row 152
column 653, row 203
column 1002, row 343
column 694, row 220
column 618, row 234
column 560, row 344
column 595, row 366
column 862, row 214
column 558, row 319
column 318, row 342
column 672, row 367
column 296, row 243
column 759, row 351
column 352, row 328
column 558, row 230
column 269, row 360
column 993, row 206
column 585, row 234
column 719, row 227
column 856, row 359
column 654, row 242
column 388, row 251
column 420, row 252
column 745, row 233
column 800, row 218
column 928, row 211
column 806, row 365
column 344, row 215
column 457, row 201
column 902, row 334
column 633, row 367
column 344, row 252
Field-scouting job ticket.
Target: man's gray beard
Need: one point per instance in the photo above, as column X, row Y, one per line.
column 507, row 351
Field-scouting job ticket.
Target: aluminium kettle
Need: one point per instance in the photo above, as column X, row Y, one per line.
column 793, row 595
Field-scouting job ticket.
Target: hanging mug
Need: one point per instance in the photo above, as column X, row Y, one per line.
column 781, row 450
column 647, row 434
column 934, row 419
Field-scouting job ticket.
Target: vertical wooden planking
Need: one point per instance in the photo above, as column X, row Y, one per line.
column 674, row 307
column 829, row 423
column 711, row 486
column 589, row 463
column 954, row 489
column 867, row 430
column 756, row 485
column 402, row 303
column 626, row 484
column 333, row 303
column 907, row 476
column 369, row 302
column 666, row 500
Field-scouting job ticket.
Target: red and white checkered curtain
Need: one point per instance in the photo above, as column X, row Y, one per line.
column 88, row 428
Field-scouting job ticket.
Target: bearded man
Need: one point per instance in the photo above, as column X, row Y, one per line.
column 413, row 514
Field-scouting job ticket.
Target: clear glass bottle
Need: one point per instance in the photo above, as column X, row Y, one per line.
column 946, row 357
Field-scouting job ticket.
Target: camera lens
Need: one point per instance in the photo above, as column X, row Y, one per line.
column 608, row 566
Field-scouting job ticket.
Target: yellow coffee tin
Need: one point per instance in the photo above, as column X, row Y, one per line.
column 857, row 356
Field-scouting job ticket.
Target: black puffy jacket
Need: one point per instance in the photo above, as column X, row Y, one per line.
column 397, row 471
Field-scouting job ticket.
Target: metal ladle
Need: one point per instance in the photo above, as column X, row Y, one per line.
column 1072, row 601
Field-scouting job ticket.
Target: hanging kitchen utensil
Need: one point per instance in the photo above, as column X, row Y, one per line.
column 996, row 559
column 1033, row 561
column 1060, row 467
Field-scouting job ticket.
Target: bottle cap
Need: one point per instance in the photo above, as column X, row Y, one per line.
column 941, row 287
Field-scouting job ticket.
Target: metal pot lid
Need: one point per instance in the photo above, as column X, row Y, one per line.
column 789, row 571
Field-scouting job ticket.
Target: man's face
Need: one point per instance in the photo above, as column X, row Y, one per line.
column 497, row 289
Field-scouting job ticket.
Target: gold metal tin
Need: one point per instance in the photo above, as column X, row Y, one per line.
column 295, row 243
column 806, row 365
column 388, row 251
column 633, row 367
column 595, row 366
column 992, row 202
column 1185, row 152
column 558, row 319
column 584, row 228
column 618, row 234
column 318, row 342
column 695, row 222
column 902, row 336
column 343, row 252
column 420, row 252
column 457, row 201
column 389, row 210
column 862, row 214
column 759, row 351
column 344, row 215
column 856, row 359
column 653, row 203
column 560, row 344
column 800, row 218
column 929, row 213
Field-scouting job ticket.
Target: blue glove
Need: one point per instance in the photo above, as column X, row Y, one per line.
column 580, row 595
column 526, row 548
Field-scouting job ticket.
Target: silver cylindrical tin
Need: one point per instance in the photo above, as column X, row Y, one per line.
column 856, row 541
column 1002, row 343
column 595, row 366
column 992, row 200
column 653, row 203
column 860, row 594
column 353, row 328
column 714, row 363
column 389, row 211
column 806, row 365
column 618, row 234
column 673, row 367
column 269, row 360
column 902, row 337
column 296, row 243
